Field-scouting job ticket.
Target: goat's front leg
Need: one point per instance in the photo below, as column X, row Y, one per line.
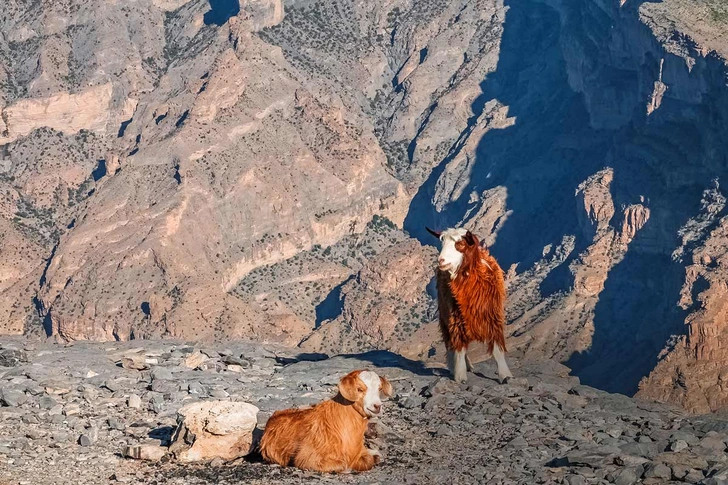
column 456, row 362
column 366, row 461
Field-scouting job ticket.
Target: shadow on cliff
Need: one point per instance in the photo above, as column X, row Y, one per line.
column 536, row 158
column 558, row 139
column 221, row 11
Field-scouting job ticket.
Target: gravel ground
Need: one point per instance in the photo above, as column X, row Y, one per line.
column 68, row 411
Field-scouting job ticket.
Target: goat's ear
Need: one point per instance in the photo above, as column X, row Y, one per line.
column 471, row 239
column 385, row 386
column 349, row 386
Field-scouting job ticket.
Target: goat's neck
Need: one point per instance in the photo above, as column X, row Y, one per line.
column 469, row 266
column 350, row 407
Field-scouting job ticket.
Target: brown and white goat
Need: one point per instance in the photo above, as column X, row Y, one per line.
column 328, row 437
column 471, row 300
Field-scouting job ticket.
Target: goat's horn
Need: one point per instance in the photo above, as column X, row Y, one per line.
column 434, row 233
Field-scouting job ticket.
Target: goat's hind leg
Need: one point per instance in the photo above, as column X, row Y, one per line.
column 500, row 358
column 468, row 363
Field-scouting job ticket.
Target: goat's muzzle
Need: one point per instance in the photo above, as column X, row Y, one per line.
column 374, row 409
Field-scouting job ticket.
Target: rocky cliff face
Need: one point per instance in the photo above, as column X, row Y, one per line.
column 264, row 170
column 226, row 159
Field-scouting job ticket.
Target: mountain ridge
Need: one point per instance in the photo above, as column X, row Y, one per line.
column 580, row 140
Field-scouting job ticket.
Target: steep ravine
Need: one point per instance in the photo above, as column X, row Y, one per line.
column 256, row 165
column 602, row 277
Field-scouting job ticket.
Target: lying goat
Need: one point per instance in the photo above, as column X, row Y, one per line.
column 328, row 437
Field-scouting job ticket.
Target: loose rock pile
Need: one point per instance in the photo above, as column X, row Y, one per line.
column 108, row 413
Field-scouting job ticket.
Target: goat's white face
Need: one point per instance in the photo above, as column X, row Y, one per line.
column 372, row 402
column 450, row 258
column 362, row 388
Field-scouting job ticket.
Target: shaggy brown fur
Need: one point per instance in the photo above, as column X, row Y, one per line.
column 472, row 306
column 328, row 437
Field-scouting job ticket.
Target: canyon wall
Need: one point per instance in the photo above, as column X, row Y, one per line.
column 264, row 170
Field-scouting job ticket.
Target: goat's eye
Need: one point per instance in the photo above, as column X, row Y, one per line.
column 359, row 389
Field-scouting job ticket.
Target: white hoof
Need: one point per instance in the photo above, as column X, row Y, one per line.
column 377, row 456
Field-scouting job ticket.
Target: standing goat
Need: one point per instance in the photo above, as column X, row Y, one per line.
column 471, row 298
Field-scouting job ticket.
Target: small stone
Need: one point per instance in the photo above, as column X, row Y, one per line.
column 194, row 360
column 114, row 423
column 134, row 401
column 658, row 470
column 720, row 474
column 235, row 368
column 12, row 398
column 628, row 476
column 685, row 436
column 679, row 472
column 61, row 436
column 219, row 394
column 135, row 362
column 90, row 374
column 93, row 433
column 145, row 452
column 693, row 476
column 157, row 405
column 31, row 419
column 178, row 396
column 630, row 460
column 521, row 382
column 12, row 358
column 576, row 480
column 56, row 410
column 71, row 409
column 441, row 385
column 85, row 440
column 573, row 433
column 57, row 390
column 111, row 385
column 232, row 360
column 678, row 445
column 615, row 432
column 647, row 450
column 689, row 460
column 164, row 386
column 411, row 402
column 162, row 374
column 211, row 365
column 518, row 442
column 712, row 442
column 197, row 388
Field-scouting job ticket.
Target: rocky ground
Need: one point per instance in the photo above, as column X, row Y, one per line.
column 68, row 411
